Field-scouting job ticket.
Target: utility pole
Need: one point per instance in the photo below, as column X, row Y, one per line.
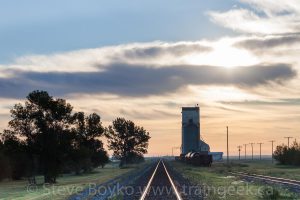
column 245, row 151
column 239, row 147
column 173, row 150
column 260, row 143
column 288, row 141
column 252, row 148
column 227, row 147
column 272, row 150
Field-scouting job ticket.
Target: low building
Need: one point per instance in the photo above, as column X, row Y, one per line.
column 217, row 156
column 203, row 146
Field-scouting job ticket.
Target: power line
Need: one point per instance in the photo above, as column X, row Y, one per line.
column 260, row 143
column 245, row 145
column 288, row 141
column 252, row 148
column 272, row 150
column 173, row 150
column 239, row 147
column 227, row 147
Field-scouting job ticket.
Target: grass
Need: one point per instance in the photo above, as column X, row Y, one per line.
column 219, row 184
column 66, row 185
column 265, row 167
column 216, row 177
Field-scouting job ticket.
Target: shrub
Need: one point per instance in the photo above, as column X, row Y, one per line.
column 288, row 155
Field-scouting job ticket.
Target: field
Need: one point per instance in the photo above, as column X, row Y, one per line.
column 66, row 185
column 217, row 181
column 221, row 185
column 266, row 168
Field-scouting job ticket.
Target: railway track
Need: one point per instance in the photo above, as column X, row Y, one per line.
column 289, row 183
column 160, row 185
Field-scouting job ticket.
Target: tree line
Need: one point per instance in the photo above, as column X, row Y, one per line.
column 46, row 137
column 288, row 155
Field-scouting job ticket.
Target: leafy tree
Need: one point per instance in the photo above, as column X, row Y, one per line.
column 15, row 151
column 89, row 151
column 100, row 158
column 44, row 136
column 80, row 159
column 44, row 123
column 4, row 163
column 22, row 126
column 288, row 155
column 127, row 140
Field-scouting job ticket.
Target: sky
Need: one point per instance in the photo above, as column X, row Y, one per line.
column 144, row 60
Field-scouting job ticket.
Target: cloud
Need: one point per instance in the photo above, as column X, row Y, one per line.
column 269, row 42
column 271, row 8
column 139, row 80
column 230, row 109
column 262, row 17
column 147, row 114
column 274, row 102
column 160, row 49
column 91, row 60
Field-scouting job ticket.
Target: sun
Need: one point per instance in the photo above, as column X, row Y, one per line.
column 225, row 55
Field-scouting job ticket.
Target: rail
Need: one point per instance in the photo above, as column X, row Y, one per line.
column 146, row 190
column 269, row 178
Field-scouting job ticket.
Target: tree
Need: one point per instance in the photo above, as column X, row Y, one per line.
column 127, row 140
column 15, row 151
column 100, row 158
column 44, row 124
column 22, row 126
column 4, row 163
column 44, row 136
column 288, row 155
column 89, row 151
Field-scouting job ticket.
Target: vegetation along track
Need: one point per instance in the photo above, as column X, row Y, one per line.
column 293, row 185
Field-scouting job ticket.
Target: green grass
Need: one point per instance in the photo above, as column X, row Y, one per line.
column 66, row 185
column 221, row 185
column 265, row 167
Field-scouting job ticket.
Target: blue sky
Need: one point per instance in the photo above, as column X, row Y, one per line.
column 144, row 60
column 42, row 27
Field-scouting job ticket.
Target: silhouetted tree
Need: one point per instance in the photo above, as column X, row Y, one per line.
column 15, row 151
column 127, row 140
column 100, row 158
column 4, row 163
column 288, row 155
column 44, row 123
column 22, row 126
column 90, row 151
column 45, row 136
